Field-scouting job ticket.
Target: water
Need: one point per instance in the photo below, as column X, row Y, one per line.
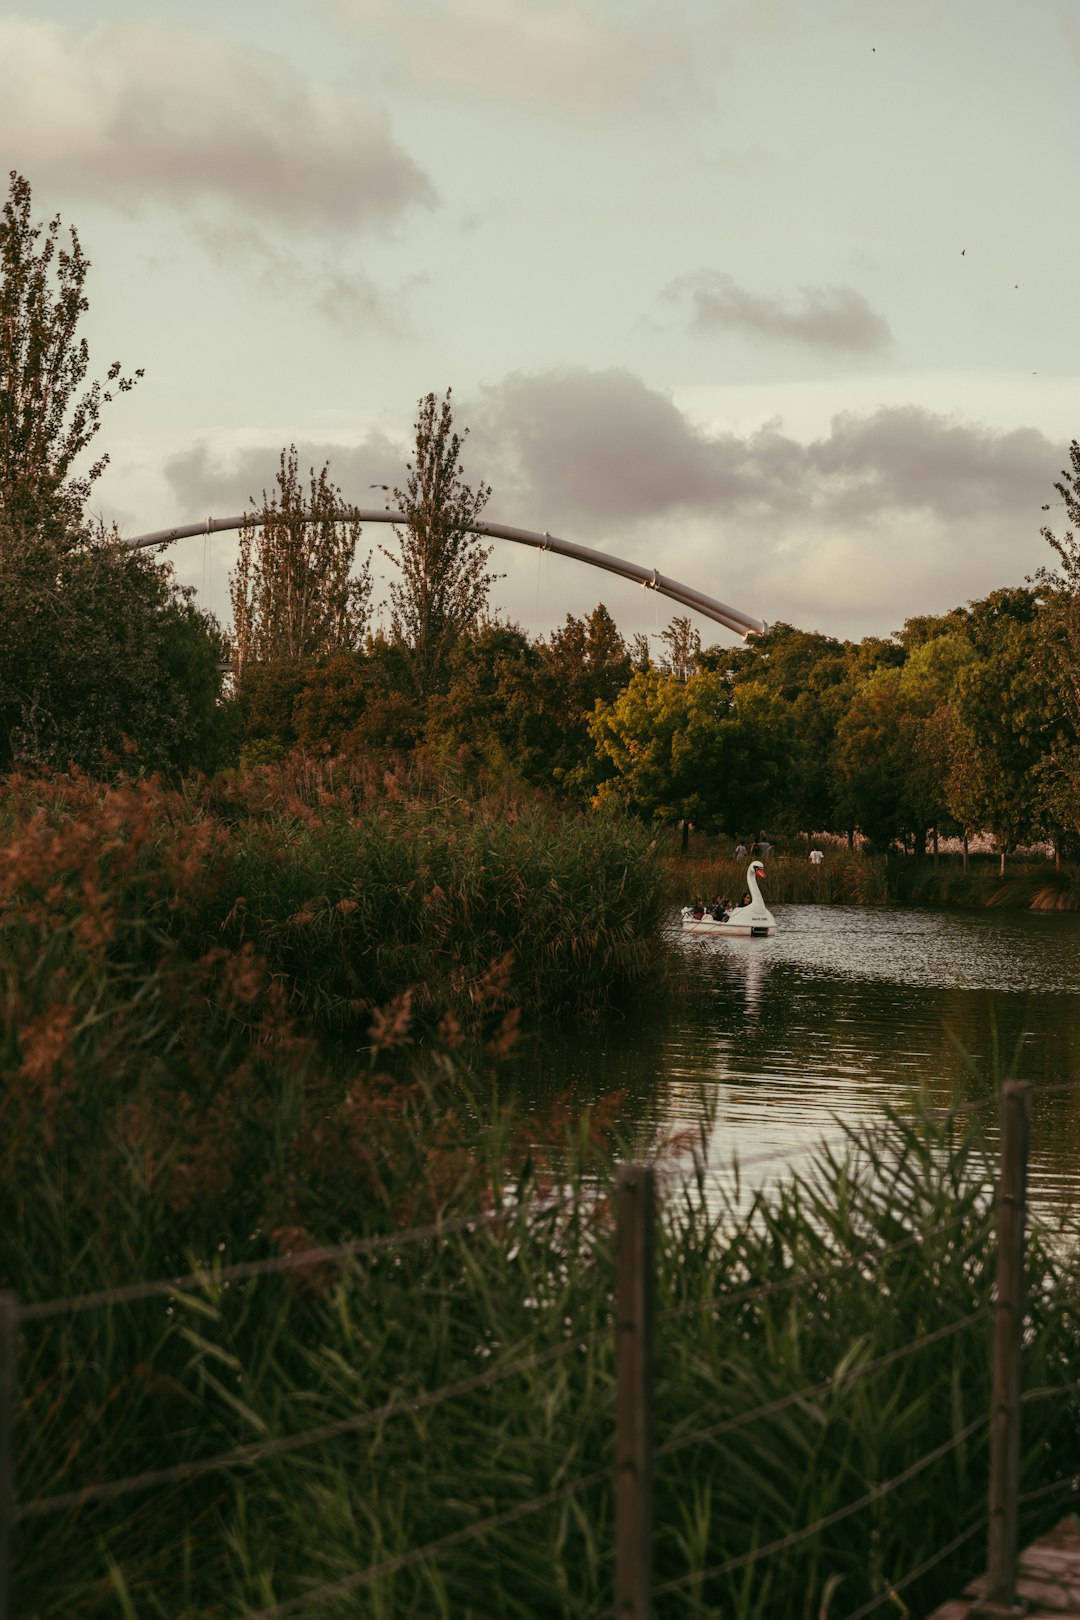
column 845, row 1010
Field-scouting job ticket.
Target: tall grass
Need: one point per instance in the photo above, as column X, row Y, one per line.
column 111, row 1392
column 843, row 878
column 354, row 888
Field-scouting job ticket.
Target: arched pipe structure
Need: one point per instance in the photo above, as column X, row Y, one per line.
column 731, row 618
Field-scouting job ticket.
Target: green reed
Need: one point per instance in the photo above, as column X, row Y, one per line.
column 110, row 1392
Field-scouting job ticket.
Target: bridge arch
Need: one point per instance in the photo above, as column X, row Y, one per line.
column 743, row 624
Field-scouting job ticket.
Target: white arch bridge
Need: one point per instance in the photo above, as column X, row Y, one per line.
column 649, row 578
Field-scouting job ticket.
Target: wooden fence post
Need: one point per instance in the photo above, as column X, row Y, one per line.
column 635, row 1195
column 1001, row 1600
column 9, row 1323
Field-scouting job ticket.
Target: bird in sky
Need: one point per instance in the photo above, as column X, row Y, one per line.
column 962, row 252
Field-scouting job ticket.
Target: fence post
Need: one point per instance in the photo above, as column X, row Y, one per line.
column 635, row 1195
column 9, row 1323
column 1001, row 1600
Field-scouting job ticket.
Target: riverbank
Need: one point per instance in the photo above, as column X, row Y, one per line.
column 851, row 878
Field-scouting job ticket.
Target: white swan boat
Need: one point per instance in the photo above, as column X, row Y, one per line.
column 754, row 921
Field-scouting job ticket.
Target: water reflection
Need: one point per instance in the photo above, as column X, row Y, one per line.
column 842, row 1012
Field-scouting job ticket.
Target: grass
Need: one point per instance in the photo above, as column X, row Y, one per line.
column 111, row 1392
column 354, row 887
column 841, row 879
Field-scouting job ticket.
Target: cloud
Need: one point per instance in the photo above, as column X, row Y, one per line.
column 205, row 483
column 346, row 297
column 834, row 318
column 600, row 448
column 569, row 56
column 133, row 113
column 892, row 512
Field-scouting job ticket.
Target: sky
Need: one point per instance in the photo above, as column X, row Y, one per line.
column 774, row 296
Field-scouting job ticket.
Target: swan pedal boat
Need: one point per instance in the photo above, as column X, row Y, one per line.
column 754, row 921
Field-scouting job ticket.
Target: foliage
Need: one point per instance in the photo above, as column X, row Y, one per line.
column 702, row 750
column 1008, row 716
column 101, row 654
column 45, row 422
column 294, row 594
column 444, row 583
column 359, row 885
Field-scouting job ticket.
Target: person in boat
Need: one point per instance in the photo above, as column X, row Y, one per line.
column 720, row 909
column 747, row 899
column 697, row 910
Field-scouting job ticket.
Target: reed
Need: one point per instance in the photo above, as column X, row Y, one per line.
column 843, row 878
column 354, row 889
column 109, row 1393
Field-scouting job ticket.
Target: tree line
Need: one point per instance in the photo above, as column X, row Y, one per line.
column 958, row 723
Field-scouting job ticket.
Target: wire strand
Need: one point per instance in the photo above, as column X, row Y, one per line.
column 128, row 1293
column 432, row 1549
column 782, row 1402
column 695, row 1577
column 1071, row 1480
column 921, row 1569
column 258, row 1450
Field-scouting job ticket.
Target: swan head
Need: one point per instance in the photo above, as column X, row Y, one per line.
column 757, row 869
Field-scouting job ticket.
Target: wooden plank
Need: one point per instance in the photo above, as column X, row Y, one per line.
column 1049, row 1576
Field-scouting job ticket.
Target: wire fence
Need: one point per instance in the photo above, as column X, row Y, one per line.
column 630, row 1477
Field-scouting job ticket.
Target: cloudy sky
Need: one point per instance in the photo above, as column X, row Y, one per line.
column 773, row 295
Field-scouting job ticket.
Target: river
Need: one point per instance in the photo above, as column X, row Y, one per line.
column 845, row 1011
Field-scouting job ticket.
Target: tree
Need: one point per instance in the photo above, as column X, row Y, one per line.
column 444, row 583
column 702, row 752
column 293, row 591
column 1008, row 722
column 683, row 645
column 46, row 423
column 101, row 654
column 1061, row 620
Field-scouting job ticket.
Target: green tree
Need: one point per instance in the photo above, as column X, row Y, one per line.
column 444, row 583
column 683, row 644
column 47, row 421
column 102, row 654
column 584, row 662
column 490, row 705
column 1009, row 721
column 294, row 591
column 810, row 673
column 702, row 751
column 1061, row 621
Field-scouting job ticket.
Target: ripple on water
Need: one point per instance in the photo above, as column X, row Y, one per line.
column 847, row 1010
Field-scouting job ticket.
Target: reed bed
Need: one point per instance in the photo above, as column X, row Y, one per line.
column 847, row 1404
column 843, row 878
column 354, row 888
column 1033, row 886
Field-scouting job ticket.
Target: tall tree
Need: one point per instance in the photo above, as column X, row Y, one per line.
column 444, row 583
column 683, row 645
column 1061, row 619
column 294, row 591
column 46, row 420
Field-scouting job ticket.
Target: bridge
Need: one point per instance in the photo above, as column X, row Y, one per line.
column 743, row 624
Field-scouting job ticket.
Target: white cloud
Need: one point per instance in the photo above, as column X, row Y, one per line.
column 134, row 113
column 571, row 56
